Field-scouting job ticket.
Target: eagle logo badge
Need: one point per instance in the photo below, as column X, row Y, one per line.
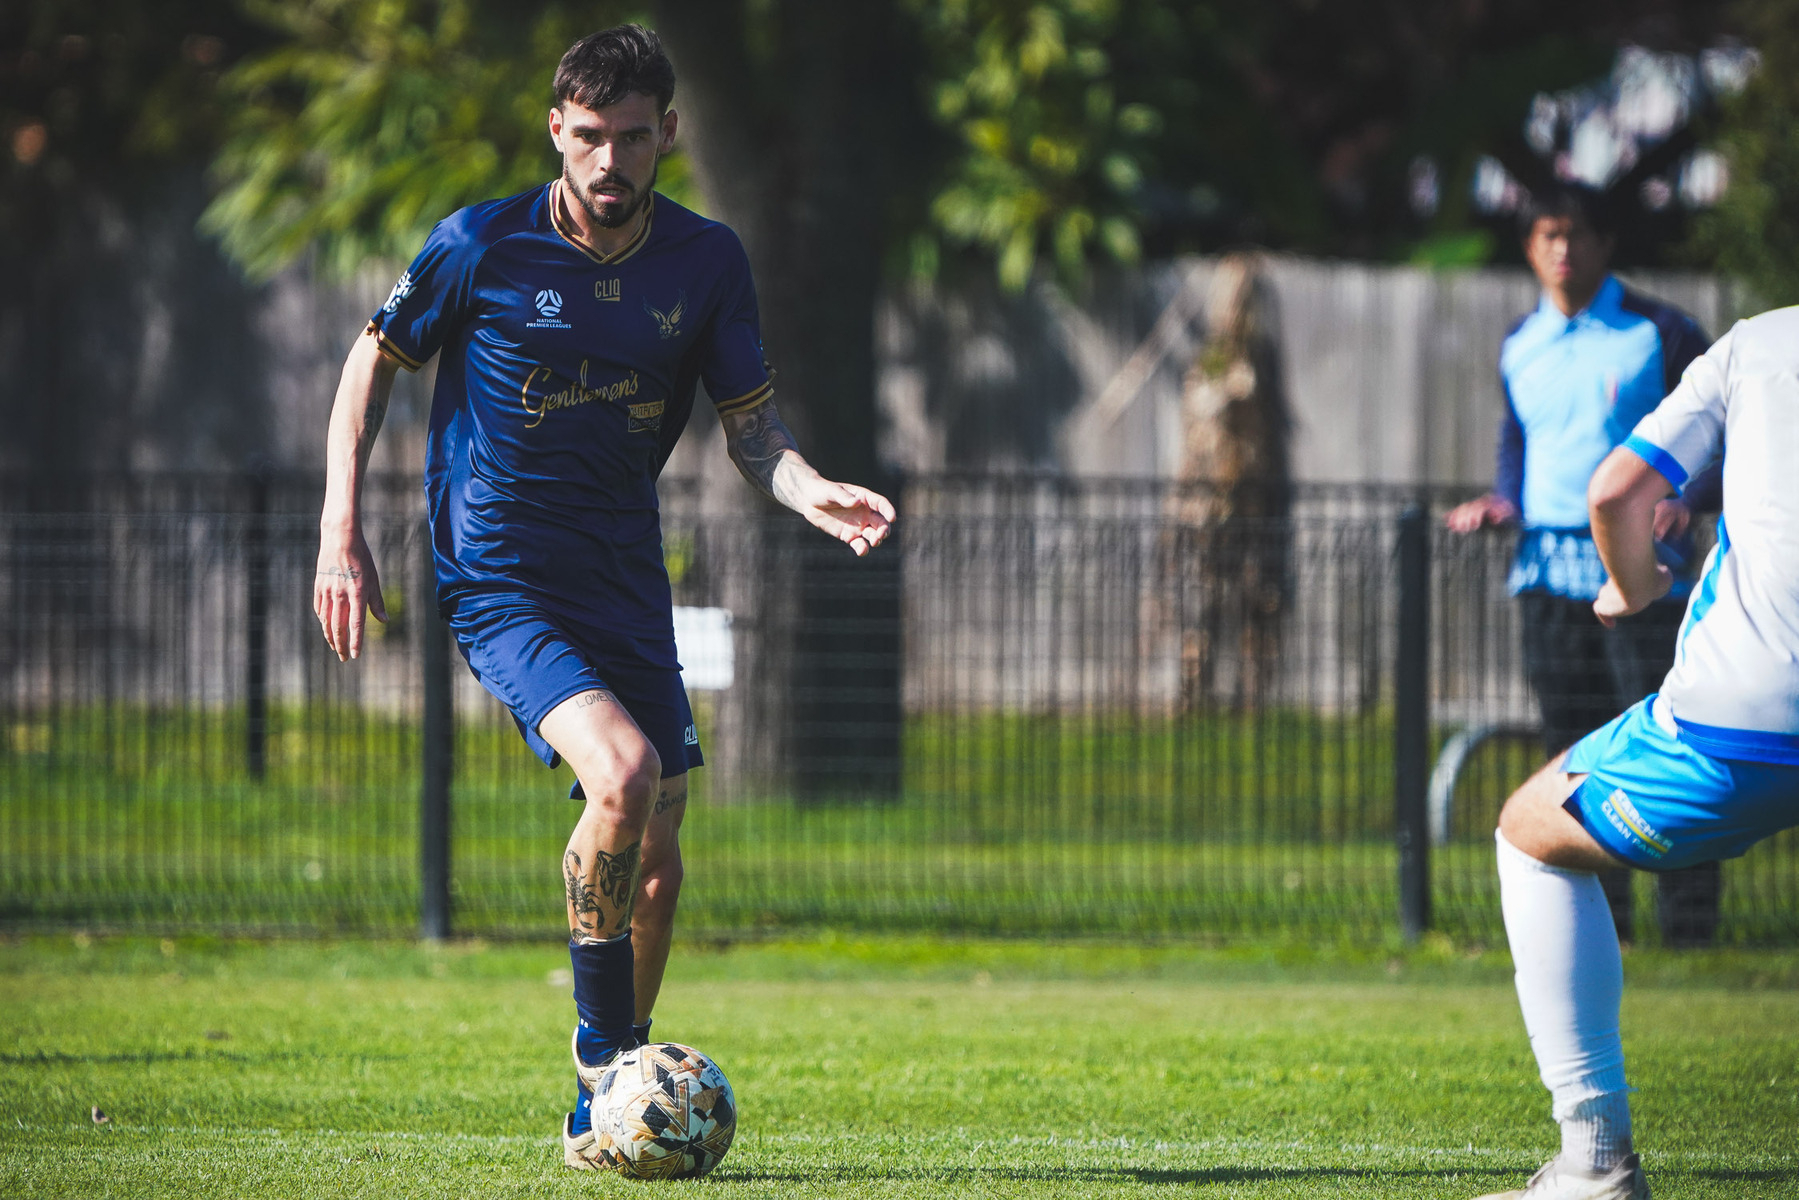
column 668, row 324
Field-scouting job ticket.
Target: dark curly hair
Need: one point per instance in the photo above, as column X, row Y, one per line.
column 605, row 67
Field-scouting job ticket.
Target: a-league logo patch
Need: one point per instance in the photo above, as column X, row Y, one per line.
column 402, row 289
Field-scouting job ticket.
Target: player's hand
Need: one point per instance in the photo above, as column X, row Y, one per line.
column 346, row 585
column 1672, row 516
column 1611, row 604
column 1482, row 510
column 855, row 516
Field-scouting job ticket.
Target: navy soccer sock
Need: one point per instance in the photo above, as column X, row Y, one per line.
column 606, row 1002
column 641, row 1033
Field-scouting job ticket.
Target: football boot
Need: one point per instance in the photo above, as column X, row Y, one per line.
column 1557, row 1180
column 585, row 1151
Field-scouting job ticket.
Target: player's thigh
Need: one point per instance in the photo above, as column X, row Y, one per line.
column 597, row 736
column 1535, row 822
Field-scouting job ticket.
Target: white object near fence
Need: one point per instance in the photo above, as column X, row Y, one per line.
column 703, row 643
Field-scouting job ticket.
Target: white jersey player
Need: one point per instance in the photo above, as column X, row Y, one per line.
column 1703, row 770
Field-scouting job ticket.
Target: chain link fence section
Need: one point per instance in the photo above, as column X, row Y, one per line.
column 1044, row 710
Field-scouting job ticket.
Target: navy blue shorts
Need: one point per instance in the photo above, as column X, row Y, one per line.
column 532, row 660
column 1657, row 803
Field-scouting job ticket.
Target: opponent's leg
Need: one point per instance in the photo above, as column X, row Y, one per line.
column 618, row 770
column 1570, row 979
column 658, row 892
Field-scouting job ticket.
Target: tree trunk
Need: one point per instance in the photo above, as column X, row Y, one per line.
column 788, row 125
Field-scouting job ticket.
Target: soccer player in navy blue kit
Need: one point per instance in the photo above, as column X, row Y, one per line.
column 573, row 322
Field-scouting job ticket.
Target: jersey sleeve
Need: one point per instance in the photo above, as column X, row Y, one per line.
column 1685, row 433
column 731, row 363
column 1508, row 465
column 432, row 296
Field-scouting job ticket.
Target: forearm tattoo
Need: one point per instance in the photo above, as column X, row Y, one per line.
column 372, row 418
column 611, row 884
column 760, row 451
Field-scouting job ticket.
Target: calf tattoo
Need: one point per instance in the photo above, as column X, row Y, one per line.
column 611, row 884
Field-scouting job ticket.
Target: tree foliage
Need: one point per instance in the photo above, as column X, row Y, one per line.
column 1754, row 231
column 1064, row 130
column 373, row 119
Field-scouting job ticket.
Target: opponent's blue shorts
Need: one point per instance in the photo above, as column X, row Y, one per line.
column 533, row 660
column 1656, row 803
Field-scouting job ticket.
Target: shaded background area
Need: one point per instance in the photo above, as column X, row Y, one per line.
column 994, row 243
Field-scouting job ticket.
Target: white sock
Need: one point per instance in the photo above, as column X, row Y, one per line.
column 1570, row 979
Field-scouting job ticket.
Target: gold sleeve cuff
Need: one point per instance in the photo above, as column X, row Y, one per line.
column 392, row 351
column 752, row 399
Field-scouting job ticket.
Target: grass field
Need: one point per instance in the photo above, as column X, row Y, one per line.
column 875, row 1067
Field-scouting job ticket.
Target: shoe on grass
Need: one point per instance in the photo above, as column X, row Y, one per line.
column 585, row 1151
column 1563, row 1181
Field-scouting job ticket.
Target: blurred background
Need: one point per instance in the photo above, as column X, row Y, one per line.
column 1140, row 661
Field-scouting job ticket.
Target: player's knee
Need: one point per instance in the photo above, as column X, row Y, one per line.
column 624, row 787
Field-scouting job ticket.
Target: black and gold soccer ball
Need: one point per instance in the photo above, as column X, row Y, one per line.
column 663, row 1111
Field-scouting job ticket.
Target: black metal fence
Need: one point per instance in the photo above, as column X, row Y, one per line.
column 1045, row 709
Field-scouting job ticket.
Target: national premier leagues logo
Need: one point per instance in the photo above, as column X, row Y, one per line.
column 668, row 324
column 402, row 289
column 548, row 303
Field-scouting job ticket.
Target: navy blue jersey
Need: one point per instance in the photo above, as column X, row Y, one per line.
column 566, row 376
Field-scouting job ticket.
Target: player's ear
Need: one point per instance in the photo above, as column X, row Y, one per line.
column 556, row 127
column 669, row 120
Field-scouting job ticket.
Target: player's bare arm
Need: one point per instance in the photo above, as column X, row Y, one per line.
column 347, row 583
column 764, row 450
column 1622, row 500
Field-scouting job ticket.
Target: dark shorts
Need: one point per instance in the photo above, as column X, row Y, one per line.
column 532, row 660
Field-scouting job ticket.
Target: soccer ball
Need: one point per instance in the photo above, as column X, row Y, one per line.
column 664, row 1111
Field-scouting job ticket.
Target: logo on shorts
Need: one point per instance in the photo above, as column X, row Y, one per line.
column 1628, row 821
column 549, row 311
column 692, row 736
column 402, row 289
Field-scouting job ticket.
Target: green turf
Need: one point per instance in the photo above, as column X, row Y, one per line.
column 868, row 1067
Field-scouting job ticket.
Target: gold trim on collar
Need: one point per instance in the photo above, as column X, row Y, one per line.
column 570, row 234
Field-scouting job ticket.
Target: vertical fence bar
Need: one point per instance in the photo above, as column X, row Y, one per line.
column 438, row 735
column 1411, row 723
column 256, row 626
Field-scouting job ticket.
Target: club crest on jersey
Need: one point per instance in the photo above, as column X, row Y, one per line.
column 402, row 289
column 549, row 311
column 668, row 324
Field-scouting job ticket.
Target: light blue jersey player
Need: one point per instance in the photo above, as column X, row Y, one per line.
column 572, row 325
column 1704, row 769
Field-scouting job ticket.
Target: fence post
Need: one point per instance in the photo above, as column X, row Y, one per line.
column 1411, row 723
column 438, row 735
column 256, row 626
